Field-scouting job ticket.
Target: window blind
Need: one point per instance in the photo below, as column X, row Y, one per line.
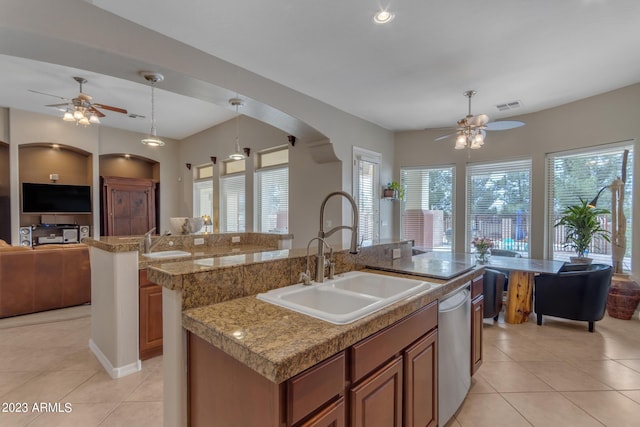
column 426, row 215
column 272, row 200
column 232, row 203
column 368, row 194
column 572, row 175
column 499, row 204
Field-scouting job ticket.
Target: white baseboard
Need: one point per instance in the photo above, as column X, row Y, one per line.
column 114, row 372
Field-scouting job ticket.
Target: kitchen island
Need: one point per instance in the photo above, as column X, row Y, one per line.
column 252, row 340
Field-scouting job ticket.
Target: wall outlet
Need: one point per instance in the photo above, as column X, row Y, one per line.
column 396, row 253
column 198, row 241
column 235, row 239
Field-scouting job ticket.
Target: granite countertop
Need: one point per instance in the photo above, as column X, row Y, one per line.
column 206, row 253
column 279, row 343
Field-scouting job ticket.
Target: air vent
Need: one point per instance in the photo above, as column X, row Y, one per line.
column 508, row 106
column 136, row 116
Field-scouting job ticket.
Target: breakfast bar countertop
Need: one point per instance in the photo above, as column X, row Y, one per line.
column 279, row 343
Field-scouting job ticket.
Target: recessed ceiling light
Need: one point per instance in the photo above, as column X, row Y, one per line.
column 383, row 16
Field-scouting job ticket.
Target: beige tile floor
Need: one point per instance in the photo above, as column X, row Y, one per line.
column 50, row 362
column 557, row 374
column 554, row 375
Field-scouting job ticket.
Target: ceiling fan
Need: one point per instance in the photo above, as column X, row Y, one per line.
column 471, row 130
column 81, row 109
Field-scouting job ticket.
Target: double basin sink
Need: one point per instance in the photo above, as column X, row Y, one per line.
column 346, row 298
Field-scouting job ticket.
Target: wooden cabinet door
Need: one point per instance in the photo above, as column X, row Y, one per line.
column 421, row 382
column 477, row 314
column 129, row 206
column 377, row 401
column 150, row 318
column 331, row 416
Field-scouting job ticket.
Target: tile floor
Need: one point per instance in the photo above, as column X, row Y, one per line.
column 555, row 375
column 51, row 362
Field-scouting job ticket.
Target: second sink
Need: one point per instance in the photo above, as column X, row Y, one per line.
column 167, row 254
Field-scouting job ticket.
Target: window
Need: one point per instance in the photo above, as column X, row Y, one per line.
column 582, row 174
column 272, row 191
column 498, row 204
column 232, row 196
column 426, row 216
column 203, row 191
column 367, row 194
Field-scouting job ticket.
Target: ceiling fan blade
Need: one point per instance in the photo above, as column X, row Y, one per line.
column 48, row 94
column 504, row 125
column 110, row 108
column 440, row 138
column 96, row 112
column 57, row 105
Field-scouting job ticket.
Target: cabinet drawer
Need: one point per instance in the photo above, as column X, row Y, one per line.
column 372, row 352
column 477, row 287
column 314, row 387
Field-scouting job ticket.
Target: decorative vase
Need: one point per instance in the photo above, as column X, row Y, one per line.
column 482, row 256
column 623, row 298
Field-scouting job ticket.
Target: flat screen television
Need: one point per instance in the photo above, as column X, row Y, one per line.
column 55, row 198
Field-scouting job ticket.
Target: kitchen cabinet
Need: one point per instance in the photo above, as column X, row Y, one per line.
column 150, row 317
column 421, row 382
column 384, row 379
column 377, row 401
column 477, row 315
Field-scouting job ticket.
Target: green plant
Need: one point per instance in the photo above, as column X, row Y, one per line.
column 582, row 225
column 397, row 188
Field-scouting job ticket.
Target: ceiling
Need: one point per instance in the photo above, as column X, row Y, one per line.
column 409, row 74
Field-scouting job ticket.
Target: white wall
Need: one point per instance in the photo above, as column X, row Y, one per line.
column 606, row 118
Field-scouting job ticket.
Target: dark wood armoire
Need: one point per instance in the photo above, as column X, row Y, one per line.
column 128, row 205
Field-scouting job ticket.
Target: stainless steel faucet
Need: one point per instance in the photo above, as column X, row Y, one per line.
column 320, row 259
column 305, row 276
column 148, row 245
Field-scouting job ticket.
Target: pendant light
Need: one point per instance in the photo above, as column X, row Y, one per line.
column 152, row 140
column 238, row 154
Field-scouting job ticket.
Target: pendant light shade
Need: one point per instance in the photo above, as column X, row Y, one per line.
column 152, row 140
column 237, row 154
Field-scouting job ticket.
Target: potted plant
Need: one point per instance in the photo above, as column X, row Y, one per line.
column 581, row 226
column 394, row 190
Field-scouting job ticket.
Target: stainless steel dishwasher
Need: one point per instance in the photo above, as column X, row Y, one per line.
column 454, row 352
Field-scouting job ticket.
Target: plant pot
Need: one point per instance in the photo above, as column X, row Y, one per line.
column 390, row 193
column 580, row 260
column 623, row 298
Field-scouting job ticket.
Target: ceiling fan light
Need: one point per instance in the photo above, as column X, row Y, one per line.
column 83, row 121
column 78, row 114
column 68, row 116
column 461, row 142
column 478, row 141
column 93, row 118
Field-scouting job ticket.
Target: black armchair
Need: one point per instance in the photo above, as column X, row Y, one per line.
column 493, row 286
column 575, row 295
